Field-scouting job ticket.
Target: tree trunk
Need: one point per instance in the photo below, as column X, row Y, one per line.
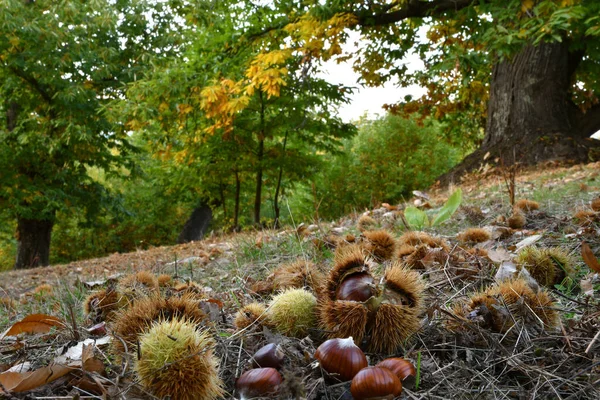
column 197, row 224
column 236, row 210
column 33, row 246
column 531, row 118
column 279, row 177
column 259, row 156
column 259, row 174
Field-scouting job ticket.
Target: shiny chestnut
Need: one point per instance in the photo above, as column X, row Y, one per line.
column 258, row 382
column 356, row 287
column 342, row 357
column 375, row 383
column 268, row 356
column 399, row 366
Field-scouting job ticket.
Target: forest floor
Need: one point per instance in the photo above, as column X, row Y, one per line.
column 456, row 357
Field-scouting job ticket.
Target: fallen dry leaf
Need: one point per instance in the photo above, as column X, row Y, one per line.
column 21, row 382
column 589, row 257
column 587, row 287
column 34, row 323
column 89, row 362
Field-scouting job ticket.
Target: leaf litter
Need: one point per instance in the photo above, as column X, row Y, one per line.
column 527, row 361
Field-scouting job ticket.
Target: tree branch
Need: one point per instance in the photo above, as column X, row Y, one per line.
column 34, row 84
column 413, row 8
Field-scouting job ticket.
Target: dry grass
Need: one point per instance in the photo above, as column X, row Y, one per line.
column 525, row 360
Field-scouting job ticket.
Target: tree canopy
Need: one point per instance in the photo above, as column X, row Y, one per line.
column 62, row 64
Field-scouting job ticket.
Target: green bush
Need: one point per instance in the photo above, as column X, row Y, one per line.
column 390, row 157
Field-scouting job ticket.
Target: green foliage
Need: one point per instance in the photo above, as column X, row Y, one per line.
column 417, row 219
column 62, row 64
column 390, row 157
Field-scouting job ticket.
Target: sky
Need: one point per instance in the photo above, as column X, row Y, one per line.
column 366, row 99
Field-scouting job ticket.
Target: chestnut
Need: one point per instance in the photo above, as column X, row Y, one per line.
column 342, row 357
column 268, row 356
column 399, row 366
column 375, row 383
column 259, row 382
column 356, row 287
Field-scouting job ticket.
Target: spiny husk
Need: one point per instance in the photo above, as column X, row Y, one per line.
column 178, row 362
column 298, row 274
column 379, row 244
column 586, row 217
column 43, row 290
column 517, row 220
column 142, row 283
column 104, row 304
column 404, row 250
column 293, row 312
column 341, row 319
column 413, row 260
column 474, row 235
column 252, row 313
column 547, row 266
column 366, row 223
column 145, row 311
column 406, row 282
column 497, row 307
column 526, row 205
column 191, row 289
column 393, row 325
column 397, row 318
column 165, row 280
column 415, row 238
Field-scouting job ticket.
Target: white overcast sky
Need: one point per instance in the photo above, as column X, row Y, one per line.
column 369, row 100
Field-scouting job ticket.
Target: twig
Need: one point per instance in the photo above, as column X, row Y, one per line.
column 587, row 350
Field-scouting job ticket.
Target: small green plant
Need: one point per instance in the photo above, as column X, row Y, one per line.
column 418, row 219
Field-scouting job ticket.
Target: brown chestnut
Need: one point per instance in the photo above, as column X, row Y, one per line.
column 356, row 287
column 258, row 382
column 342, row 357
column 268, row 356
column 375, row 383
column 399, row 366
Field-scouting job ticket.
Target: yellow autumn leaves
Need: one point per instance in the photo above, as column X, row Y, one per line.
column 267, row 71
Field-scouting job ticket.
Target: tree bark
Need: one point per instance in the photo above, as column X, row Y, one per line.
column 531, row 118
column 259, row 174
column 33, row 245
column 236, row 209
column 279, row 177
column 259, row 161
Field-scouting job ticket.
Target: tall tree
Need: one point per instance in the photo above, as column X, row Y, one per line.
column 60, row 65
column 233, row 109
column 524, row 72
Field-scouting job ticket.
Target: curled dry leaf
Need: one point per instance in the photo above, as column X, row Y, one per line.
column 589, row 257
column 21, row 382
column 34, row 323
column 89, row 362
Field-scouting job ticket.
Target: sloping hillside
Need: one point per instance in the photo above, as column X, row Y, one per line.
column 475, row 337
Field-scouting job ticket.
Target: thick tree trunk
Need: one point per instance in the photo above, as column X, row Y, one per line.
column 197, row 224
column 33, row 246
column 531, row 118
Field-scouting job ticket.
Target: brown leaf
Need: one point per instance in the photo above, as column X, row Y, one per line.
column 89, row 362
column 34, row 323
column 589, row 257
column 21, row 382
